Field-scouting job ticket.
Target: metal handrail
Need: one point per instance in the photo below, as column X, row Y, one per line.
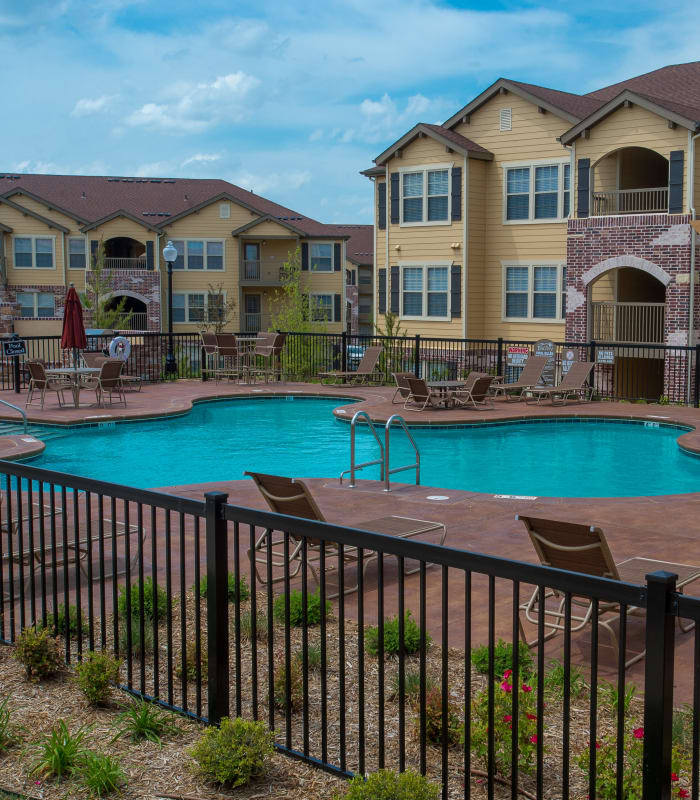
column 17, row 408
column 357, row 467
column 387, row 471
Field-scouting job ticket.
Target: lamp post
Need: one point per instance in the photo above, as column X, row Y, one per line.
column 170, row 254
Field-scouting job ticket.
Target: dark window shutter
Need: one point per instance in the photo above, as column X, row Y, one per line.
column 149, row 256
column 382, row 291
column 381, row 206
column 583, row 184
column 675, row 183
column 456, row 193
column 394, row 198
column 304, row 255
column 94, row 247
column 336, row 257
column 456, row 291
column 394, row 290
column 336, row 308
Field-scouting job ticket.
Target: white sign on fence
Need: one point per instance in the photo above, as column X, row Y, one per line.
column 605, row 356
column 567, row 359
column 516, row 355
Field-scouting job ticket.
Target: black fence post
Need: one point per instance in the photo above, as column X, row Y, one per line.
column 696, row 393
column 416, row 356
column 217, row 607
column 499, row 360
column 591, row 348
column 658, row 686
column 203, row 363
column 17, row 375
column 344, row 354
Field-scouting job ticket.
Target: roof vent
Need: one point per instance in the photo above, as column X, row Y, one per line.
column 155, row 181
column 169, row 181
column 505, row 119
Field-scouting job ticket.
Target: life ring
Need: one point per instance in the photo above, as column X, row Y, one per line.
column 120, row 347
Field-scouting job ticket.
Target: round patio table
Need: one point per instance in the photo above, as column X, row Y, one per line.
column 444, row 388
column 74, row 375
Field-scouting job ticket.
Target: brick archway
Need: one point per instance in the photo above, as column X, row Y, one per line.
column 617, row 262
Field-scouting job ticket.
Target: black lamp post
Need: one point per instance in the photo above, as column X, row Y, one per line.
column 170, row 254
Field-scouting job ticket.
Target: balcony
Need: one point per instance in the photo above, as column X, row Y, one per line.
column 262, row 273
column 125, row 263
column 630, row 201
column 627, row 323
column 132, row 321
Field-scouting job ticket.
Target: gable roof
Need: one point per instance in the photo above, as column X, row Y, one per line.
column 5, row 228
column 454, row 141
column 267, row 218
column 114, row 215
column 49, row 222
column 360, row 246
column 19, row 191
column 676, row 83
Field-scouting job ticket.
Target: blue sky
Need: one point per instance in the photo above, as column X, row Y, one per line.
column 291, row 100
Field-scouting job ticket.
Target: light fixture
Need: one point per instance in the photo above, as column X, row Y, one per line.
column 397, row 247
column 170, row 255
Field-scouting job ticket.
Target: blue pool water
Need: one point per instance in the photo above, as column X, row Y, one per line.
column 300, row 437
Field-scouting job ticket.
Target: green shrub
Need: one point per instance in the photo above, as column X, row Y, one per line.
column 136, row 636
column 433, row 718
column 387, row 785
column 411, row 636
column 191, row 662
column 147, row 600
column 60, row 751
column 101, row 774
column 554, row 680
column 60, row 621
column 233, row 590
column 296, row 693
column 260, row 626
column 296, row 608
column 7, row 734
column 412, row 685
column 144, row 720
column 608, row 696
column 95, row 674
column 502, row 658
column 235, row 752
column 313, row 657
column 38, row 651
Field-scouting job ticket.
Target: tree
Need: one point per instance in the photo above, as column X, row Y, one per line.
column 393, row 358
column 98, row 295
column 219, row 311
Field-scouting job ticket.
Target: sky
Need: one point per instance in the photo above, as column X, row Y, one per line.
column 291, row 100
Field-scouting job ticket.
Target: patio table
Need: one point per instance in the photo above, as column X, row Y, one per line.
column 74, row 375
column 444, row 387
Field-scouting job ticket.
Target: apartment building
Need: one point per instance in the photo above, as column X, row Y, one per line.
column 231, row 243
column 535, row 213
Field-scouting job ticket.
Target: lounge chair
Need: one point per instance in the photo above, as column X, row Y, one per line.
column 402, row 388
column 529, row 378
column 572, row 385
column 107, row 383
column 583, row 548
column 40, row 382
column 420, row 395
column 475, row 393
column 291, row 496
column 365, row 369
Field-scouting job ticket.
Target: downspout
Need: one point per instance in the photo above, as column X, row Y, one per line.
column 465, row 240
column 572, row 162
column 374, row 262
column 65, row 268
column 387, row 274
column 691, row 204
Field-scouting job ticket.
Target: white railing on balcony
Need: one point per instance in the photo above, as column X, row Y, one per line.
column 630, row 201
column 251, row 270
column 132, row 321
column 125, row 263
column 628, row 323
column 264, row 272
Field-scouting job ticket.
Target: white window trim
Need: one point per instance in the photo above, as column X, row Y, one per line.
column 559, row 291
column 538, row 162
column 425, row 264
column 67, row 254
column 187, row 294
column 325, row 294
column 322, row 271
column 204, row 241
column 425, row 168
column 34, row 237
column 36, row 293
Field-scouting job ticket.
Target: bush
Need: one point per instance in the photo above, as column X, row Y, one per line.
column 502, row 658
column 260, row 626
column 313, row 657
column 233, row 590
column 296, row 693
column 608, row 696
column 147, row 600
column 235, row 752
column 191, row 662
column 95, row 674
column 136, row 636
column 411, row 636
column 7, row 735
column 387, row 785
column 412, row 685
column 37, row 650
column 60, row 751
column 60, row 621
column 296, row 608
column 100, row 773
column 144, row 720
column 433, row 718
column 554, row 680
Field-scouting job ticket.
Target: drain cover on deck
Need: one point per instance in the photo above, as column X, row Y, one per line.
column 437, row 497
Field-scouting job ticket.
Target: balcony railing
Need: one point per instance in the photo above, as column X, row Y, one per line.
column 125, row 263
column 254, row 323
column 630, row 201
column 262, row 272
column 628, row 323
column 133, row 321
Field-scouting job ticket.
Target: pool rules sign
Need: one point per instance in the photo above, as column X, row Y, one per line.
column 547, row 349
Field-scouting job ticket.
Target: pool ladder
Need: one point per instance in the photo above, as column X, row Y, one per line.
column 385, row 470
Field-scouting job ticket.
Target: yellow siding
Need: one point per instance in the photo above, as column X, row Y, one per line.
column 604, row 290
column 47, row 211
column 269, row 228
column 28, row 226
column 122, row 226
column 38, row 327
column 605, row 174
column 475, row 276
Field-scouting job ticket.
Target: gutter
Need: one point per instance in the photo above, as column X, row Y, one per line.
column 465, row 254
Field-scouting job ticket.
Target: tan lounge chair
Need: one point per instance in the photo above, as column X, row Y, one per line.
column 583, row 548
column 572, row 385
column 107, row 383
column 40, row 382
column 529, row 377
column 402, row 388
column 420, row 396
column 291, row 496
column 229, row 362
column 365, row 369
column 475, row 393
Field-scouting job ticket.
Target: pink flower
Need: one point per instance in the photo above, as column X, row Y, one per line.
column 674, row 777
column 638, row 733
column 506, row 686
column 533, row 739
column 531, row 716
column 683, row 793
column 507, row 674
column 597, row 745
column 527, row 688
column 508, row 718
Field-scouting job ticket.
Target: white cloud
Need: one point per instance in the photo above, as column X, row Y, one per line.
column 316, row 135
column 201, row 158
column 272, row 182
column 87, row 105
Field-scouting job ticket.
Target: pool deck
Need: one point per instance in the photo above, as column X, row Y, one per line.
column 664, row 527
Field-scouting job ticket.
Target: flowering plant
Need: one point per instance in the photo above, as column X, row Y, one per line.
column 503, row 725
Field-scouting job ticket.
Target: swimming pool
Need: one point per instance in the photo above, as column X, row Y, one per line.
column 299, row 436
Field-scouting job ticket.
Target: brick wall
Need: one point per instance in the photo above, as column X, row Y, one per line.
column 143, row 285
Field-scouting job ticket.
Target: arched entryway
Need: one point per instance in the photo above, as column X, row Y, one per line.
column 123, row 252
column 630, row 180
column 134, row 316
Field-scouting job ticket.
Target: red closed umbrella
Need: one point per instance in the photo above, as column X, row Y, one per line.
column 73, row 334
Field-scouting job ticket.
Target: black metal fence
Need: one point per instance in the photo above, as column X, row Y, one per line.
column 130, row 563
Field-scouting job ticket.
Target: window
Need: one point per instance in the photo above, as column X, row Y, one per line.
column 76, row 253
column 193, row 307
column 198, row 254
column 534, row 292
column 36, row 304
column 321, row 307
column 322, row 257
column 425, row 291
column 537, row 192
column 34, row 251
column 424, row 196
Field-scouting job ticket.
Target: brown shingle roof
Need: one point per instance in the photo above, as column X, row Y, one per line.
column 678, row 83
column 457, row 138
column 360, row 246
column 578, row 105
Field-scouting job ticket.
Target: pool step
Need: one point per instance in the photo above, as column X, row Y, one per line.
column 37, row 431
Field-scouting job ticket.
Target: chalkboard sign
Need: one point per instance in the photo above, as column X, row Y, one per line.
column 13, row 347
column 546, row 348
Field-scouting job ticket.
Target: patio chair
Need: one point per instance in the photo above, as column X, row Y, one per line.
column 475, row 394
column 402, row 388
column 573, row 385
column 262, row 355
column 42, row 383
column 292, row 497
column 583, row 548
column 94, row 358
column 108, row 382
column 278, row 369
column 366, row 369
column 529, row 378
column 420, row 395
column 210, row 351
column 230, row 364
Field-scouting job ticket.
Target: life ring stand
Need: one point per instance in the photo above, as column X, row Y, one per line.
column 120, row 347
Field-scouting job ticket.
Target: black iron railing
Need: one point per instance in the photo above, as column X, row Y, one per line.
column 94, row 546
